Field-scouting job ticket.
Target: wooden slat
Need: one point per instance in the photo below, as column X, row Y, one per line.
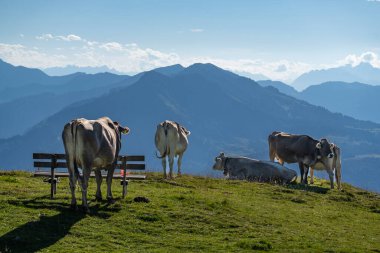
column 133, row 158
column 48, row 156
column 135, row 166
column 48, row 165
column 66, row 174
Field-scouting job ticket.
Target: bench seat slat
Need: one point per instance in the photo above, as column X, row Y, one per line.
column 48, row 164
column 66, row 174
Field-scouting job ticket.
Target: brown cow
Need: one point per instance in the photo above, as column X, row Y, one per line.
column 91, row 145
column 302, row 149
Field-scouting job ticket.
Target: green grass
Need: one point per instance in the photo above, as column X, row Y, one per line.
column 189, row 214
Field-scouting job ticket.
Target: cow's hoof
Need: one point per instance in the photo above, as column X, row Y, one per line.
column 98, row 199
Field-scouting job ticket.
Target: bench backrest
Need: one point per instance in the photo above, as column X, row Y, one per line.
column 132, row 162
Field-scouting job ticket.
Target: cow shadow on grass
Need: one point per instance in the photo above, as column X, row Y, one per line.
column 47, row 230
column 309, row 188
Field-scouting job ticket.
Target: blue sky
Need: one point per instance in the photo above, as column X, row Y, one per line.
column 280, row 39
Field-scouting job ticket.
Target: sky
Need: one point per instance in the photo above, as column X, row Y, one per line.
column 279, row 39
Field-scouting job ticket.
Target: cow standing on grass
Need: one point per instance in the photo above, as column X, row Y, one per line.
column 337, row 166
column 91, row 145
column 171, row 141
column 305, row 151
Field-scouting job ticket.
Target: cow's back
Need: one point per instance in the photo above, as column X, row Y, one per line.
column 170, row 138
column 92, row 143
column 292, row 148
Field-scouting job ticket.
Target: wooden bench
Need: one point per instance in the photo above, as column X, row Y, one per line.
column 57, row 161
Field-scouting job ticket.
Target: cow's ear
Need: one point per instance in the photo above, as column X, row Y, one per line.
column 318, row 146
column 124, row 130
column 221, row 154
column 332, row 145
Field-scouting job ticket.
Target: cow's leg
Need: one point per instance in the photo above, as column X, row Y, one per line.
column 84, row 183
column 305, row 173
column 331, row 176
column 179, row 164
column 163, row 161
column 73, row 181
column 99, row 179
column 171, row 163
column 110, row 171
column 338, row 172
column 311, row 175
column 301, row 166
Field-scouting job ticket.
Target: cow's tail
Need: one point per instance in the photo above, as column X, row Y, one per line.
column 165, row 127
column 74, row 130
column 271, row 140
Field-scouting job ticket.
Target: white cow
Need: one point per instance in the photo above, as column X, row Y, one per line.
column 336, row 165
column 91, row 145
column 171, row 141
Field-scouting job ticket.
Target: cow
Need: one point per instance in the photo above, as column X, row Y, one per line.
column 337, row 165
column 91, row 145
column 244, row 168
column 171, row 141
column 301, row 149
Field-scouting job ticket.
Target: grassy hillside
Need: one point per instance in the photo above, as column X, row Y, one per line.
column 189, row 214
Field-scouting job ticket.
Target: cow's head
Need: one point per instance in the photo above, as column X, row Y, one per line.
column 325, row 151
column 123, row 130
column 219, row 162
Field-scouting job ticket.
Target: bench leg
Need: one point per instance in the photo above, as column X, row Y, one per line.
column 125, row 185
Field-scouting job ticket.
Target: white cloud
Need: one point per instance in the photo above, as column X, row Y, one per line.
column 367, row 57
column 196, row 30
column 20, row 55
column 70, row 37
column 112, row 46
column 48, row 36
column 131, row 58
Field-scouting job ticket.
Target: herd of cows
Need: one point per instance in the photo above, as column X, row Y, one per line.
column 95, row 145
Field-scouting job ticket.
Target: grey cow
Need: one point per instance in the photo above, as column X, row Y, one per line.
column 244, row 168
column 91, row 145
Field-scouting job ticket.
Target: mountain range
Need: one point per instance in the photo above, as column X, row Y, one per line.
column 362, row 73
column 223, row 111
column 357, row 100
column 69, row 69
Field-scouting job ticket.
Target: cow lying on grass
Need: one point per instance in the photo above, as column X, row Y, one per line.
column 244, row 168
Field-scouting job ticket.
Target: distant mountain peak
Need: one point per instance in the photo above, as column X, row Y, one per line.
column 170, row 70
column 363, row 73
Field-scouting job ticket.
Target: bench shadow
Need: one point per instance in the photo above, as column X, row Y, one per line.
column 47, row 230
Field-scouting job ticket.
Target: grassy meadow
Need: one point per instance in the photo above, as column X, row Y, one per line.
column 188, row 214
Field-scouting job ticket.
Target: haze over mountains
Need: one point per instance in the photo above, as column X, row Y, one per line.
column 363, row 73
